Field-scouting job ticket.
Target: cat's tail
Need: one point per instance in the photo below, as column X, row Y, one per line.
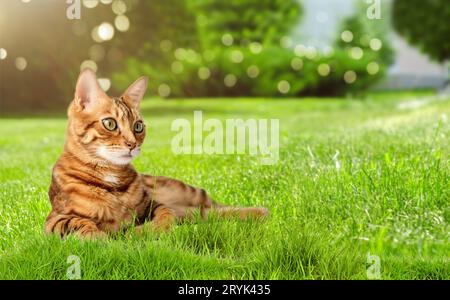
column 243, row 213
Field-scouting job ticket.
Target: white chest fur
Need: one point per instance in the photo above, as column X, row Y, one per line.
column 111, row 179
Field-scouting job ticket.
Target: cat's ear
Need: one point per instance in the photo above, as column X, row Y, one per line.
column 135, row 92
column 88, row 91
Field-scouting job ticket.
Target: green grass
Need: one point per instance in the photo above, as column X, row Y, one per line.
column 390, row 197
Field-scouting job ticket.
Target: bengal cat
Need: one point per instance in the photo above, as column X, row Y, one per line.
column 95, row 191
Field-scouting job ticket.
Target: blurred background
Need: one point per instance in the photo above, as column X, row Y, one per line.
column 216, row 48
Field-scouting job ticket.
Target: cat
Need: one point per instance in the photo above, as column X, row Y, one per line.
column 95, row 190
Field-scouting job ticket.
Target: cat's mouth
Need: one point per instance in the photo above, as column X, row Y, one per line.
column 118, row 157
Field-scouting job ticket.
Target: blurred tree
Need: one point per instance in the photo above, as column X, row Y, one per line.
column 38, row 34
column 362, row 55
column 370, row 35
column 157, row 29
column 425, row 25
column 244, row 21
column 240, row 50
column 206, row 33
column 188, row 48
column 54, row 47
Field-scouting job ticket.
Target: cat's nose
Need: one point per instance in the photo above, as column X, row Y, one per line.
column 130, row 145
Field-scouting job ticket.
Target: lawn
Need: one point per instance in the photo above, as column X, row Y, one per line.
column 354, row 178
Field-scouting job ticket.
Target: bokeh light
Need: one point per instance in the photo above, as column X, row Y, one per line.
column 356, row 53
column 105, row 31
column 373, row 68
column 180, row 53
column 164, row 90
column 286, row 42
column 350, row 77
column 300, row 50
column 253, row 71
column 104, row 83
column 284, row 87
column 227, row 39
column 21, row 63
column 311, row 52
column 376, row 44
column 3, row 53
column 122, row 23
column 90, row 3
column 323, row 70
column 88, row 64
column 255, row 47
column 237, row 56
column 192, row 56
column 347, row 36
column 119, row 7
column 297, row 63
column 204, row 73
column 305, row 54
column 177, row 67
column 230, row 80
column 95, row 36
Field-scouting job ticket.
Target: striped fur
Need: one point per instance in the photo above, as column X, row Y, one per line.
column 94, row 193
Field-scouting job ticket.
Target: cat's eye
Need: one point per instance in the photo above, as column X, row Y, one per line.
column 110, row 124
column 138, row 127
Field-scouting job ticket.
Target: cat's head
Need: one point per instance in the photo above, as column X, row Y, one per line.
column 105, row 128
